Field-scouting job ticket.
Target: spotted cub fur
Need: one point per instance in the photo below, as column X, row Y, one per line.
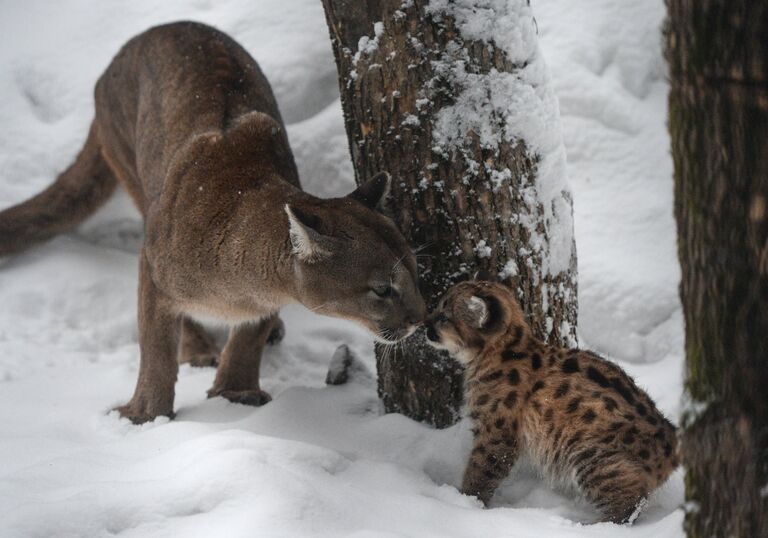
column 579, row 417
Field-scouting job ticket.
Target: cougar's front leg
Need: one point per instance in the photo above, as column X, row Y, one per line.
column 158, row 340
column 237, row 378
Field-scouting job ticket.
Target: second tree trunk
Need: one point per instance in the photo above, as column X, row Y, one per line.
column 455, row 103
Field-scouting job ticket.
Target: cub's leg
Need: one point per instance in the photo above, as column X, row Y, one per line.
column 158, row 340
column 237, row 379
column 196, row 346
column 489, row 464
column 616, row 488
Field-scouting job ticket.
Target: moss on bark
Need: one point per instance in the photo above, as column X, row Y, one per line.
column 718, row 121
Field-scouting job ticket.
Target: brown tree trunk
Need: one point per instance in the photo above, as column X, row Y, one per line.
column 465, row 188
column 718, row 121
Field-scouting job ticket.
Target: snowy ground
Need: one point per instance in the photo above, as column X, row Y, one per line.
column 317, row 461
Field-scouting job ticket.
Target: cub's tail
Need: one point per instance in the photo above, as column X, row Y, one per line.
column 78, row 192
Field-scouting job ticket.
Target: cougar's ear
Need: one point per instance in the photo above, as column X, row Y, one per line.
column 308, row 243
column 373, row 192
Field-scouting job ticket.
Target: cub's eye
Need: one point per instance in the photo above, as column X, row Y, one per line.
column 383, row 290
column 442, row 318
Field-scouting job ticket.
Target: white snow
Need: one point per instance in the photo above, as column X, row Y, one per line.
column 366, row 45
column 508, row 24
column 317, row 460
column 608, row 73
column 483, row 249
column 509, row 269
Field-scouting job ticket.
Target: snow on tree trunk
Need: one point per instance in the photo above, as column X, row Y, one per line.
column 718, row 122
column 453, row 99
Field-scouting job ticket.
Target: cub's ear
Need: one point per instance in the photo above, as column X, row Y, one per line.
column 374, row 191
column 484, row 274
column 478, row 311
column 308, row 243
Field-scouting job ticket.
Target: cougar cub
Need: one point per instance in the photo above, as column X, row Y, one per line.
column 578, row 416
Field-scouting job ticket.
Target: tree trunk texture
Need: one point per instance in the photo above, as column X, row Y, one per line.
column 718, row 121
column 394, row 59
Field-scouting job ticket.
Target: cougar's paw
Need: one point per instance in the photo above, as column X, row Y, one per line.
column 277, row 334
column 255, row 398
column 139, row 414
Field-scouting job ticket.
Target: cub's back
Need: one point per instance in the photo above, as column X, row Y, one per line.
column 584, row 401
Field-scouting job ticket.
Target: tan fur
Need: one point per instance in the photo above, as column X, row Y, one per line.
column 188, row 125
column 579, row 417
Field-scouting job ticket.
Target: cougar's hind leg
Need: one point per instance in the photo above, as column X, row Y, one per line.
column 617, row 486
column 277, row 333
column 197, row 347
column 237, row 378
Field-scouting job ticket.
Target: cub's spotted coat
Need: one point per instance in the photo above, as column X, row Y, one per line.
column 578, row 416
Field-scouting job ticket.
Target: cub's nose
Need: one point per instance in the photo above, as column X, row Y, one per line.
column 432, row 335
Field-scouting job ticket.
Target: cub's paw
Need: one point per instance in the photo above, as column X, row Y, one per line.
column 277, row 334
column 255, row 398
column 141, row 413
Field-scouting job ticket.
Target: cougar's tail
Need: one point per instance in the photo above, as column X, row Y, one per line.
column 79, row 191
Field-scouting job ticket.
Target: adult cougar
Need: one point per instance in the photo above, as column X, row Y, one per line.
column 187, row 124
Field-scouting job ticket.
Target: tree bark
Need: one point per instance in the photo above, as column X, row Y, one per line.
column 718, row 121
column 470, row 201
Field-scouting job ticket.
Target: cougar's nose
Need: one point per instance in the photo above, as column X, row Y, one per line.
column 415, row 319
column 418, row 314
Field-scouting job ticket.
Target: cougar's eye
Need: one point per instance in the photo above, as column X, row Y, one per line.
column 382, row 290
